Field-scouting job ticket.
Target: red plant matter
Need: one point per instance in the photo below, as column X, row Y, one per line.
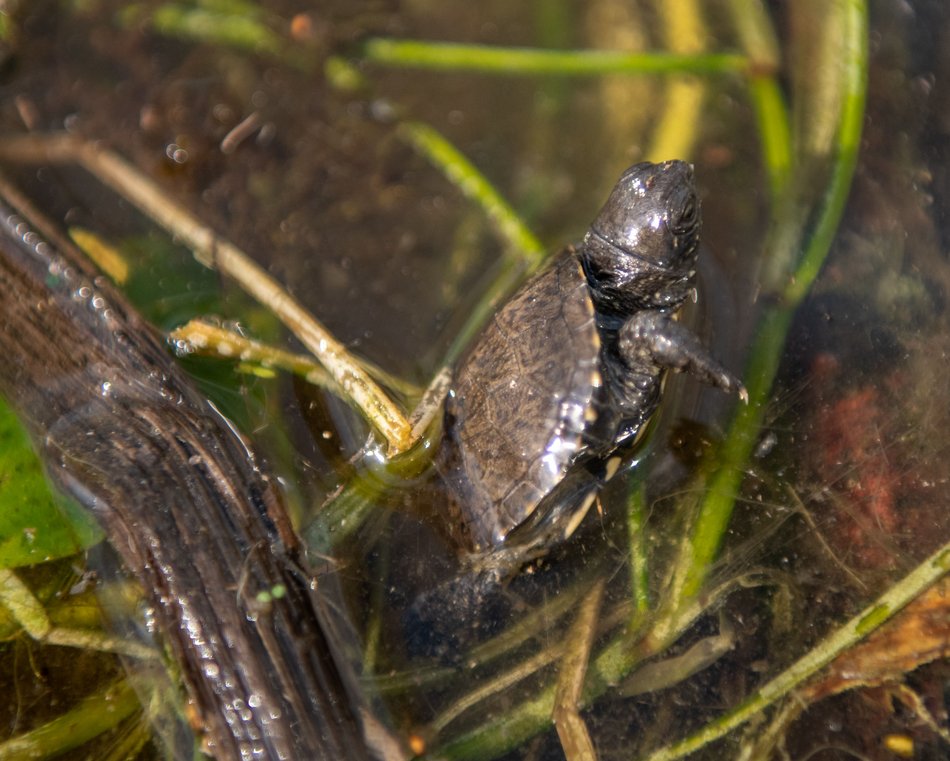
column 861, row 461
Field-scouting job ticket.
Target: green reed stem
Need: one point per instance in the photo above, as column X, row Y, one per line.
column 525, row 251
column 703, row 544
column 533, row 715
column 854, row 53
column 639, row 556
column 90, row 718
column 616, row 660
column 758, row 41
column 442, row 56
column 473, row 184
column 756, row 34
column 771, row 114
column 239, row 25
column 868, row 620
column 677, row 124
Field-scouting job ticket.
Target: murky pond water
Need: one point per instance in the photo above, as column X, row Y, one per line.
column 732, row 543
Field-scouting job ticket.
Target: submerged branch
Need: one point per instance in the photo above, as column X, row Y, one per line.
column 219, row 254
column 182, row 499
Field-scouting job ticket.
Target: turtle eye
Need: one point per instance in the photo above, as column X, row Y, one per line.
column 686, row 219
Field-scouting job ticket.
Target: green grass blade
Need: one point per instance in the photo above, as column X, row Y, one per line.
column 441, row 56
column 705, row 539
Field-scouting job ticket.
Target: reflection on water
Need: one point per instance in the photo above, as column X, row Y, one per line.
column 844, row 494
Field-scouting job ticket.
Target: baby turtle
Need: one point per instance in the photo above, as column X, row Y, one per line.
column 571, row 367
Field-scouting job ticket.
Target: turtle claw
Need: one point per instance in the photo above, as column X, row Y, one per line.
column 651, row 341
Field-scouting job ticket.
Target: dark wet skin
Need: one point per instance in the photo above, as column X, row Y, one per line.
column 571, row 368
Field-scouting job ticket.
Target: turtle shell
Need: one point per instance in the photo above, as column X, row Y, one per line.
column 524, row 404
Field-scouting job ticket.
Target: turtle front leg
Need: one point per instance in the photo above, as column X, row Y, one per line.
column 651, row 341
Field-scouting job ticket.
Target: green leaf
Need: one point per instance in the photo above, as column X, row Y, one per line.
column 35, row 526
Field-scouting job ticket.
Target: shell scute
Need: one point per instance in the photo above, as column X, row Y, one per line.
column 524, row 398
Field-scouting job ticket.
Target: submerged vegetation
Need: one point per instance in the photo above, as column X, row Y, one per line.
column 685, row 581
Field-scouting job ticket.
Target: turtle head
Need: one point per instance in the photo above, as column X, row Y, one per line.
column 640, row 252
